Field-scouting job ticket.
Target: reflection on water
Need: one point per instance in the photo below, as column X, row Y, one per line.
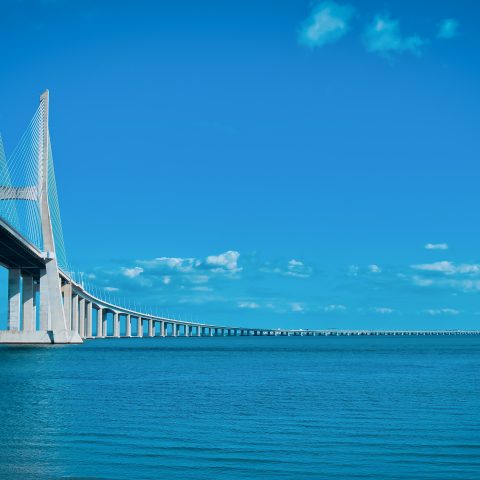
column 241, row 408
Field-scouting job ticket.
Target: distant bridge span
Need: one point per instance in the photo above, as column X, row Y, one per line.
column 45, row 304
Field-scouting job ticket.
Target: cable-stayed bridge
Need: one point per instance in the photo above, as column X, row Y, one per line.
column 46, row 304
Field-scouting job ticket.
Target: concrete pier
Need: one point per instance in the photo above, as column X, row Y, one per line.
column 128, row 325
column 14, row 300
column 28, row 311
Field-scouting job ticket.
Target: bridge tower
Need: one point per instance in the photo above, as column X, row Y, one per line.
column 52, row 312
column 54, row 326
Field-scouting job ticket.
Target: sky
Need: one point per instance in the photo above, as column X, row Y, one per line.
column 277, row 163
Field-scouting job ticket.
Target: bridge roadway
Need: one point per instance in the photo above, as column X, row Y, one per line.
column 17, row 254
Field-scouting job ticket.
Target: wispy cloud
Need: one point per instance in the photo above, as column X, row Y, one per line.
column 249, row 305
column 374, row 268
column 449, row 268
column 436, row 246
column 383, row 36
column 112, row 289
column 448, row 29
column 297, row 307
column 334, row 308
column 293, row 268
column 383, row 310
column 132, row 272
column 442, row 311
column 327, row 23
column 463, row 284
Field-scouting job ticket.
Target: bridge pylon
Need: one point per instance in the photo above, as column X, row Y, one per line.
column 34, row 274
column 52, row 314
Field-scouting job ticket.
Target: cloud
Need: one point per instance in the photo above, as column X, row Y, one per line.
column 224, row 261
column 448, row 29
column 334, row 308
column 436, row 246
column 383, row 310
column 441, row 311
column 132, row 272
column 297, row 307
column 374, row 268
column 170, row 263
column 112, row 289
column 328, row 22
column 449, row 268
column 249, row 305
column 383, row 36
column 463, row 285
column 294, row 268
column 166, row 279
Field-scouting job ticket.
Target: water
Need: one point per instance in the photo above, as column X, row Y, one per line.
column 243, row 408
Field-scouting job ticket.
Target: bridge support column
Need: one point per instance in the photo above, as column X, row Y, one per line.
column 116, row 325
column 27, row 299
column 186, row 330
column 150, row 327
column 128, row 325
column 174, row 329
column 100, row 323
column 88, row 325
column 104, row 325
column 67, row 304
column 81, row 317
column 44, row 311
column 199, row 331
column 74, row 313
column 139, row 327
column 162, row 328
column 14, row 300
column 36, row 292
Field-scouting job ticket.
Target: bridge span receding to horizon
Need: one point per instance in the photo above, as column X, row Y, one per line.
column 46, row 304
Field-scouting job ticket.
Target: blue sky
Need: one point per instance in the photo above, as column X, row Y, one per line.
column 274, row 163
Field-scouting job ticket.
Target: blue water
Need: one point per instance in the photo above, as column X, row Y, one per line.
column 243, row 408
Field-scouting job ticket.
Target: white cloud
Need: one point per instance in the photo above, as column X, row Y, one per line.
column 297, row 307
column 436, row 246
column 383, row 36
column 166, row 279
column 383, row 310
column 112, row 289
column 464, row 285
column 224, row 261
column 334, row 308
column 296, row 268
column 328, row 22
column 449, row 268
column 171, row 263
column 442, row 311
column 132, row 272
column 374, row 268
column 448, row 29
column 249, row 305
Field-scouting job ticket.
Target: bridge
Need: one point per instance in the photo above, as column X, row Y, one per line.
column 46, row 304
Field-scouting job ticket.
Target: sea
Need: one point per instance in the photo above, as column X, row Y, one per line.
column 291, row 408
